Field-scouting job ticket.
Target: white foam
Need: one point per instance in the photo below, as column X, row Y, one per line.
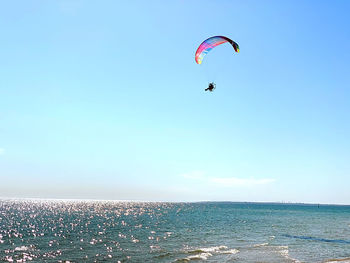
column 213, row 249
column 206, row 252
column 284, row 251
column 260, row 245
column 203, row 256
column 230, row 251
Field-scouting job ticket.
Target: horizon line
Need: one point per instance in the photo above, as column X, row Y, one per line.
column 159, row 201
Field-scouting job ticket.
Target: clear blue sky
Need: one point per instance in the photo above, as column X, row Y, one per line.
column 103, row 100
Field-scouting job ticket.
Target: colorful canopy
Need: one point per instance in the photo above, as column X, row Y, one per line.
column 210, row 43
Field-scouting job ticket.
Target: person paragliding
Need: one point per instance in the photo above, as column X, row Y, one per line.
column 211, row 87
column 208, row 45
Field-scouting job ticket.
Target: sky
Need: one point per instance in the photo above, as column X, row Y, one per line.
column 104, row 100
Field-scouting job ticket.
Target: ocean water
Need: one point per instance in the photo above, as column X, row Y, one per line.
column 113, row 231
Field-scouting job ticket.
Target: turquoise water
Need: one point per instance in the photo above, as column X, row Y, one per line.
column 111, row 231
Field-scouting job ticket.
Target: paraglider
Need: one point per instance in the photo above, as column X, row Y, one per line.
column 208, row 45
column 211, row 87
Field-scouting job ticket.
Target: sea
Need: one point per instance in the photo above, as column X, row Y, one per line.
column 118, row 231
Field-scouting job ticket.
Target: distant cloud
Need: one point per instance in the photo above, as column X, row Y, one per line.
column 2, row 151
column 226, row 181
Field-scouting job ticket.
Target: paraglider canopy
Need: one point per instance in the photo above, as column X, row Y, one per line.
column 210, row 43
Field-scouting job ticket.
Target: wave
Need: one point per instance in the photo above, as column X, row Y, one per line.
column 201, row 256
column 260, row 245
column 215, row 249
column 205, row 253
column 266, row 249
column 230, row 251
column 284, row 252
column 208, row 249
